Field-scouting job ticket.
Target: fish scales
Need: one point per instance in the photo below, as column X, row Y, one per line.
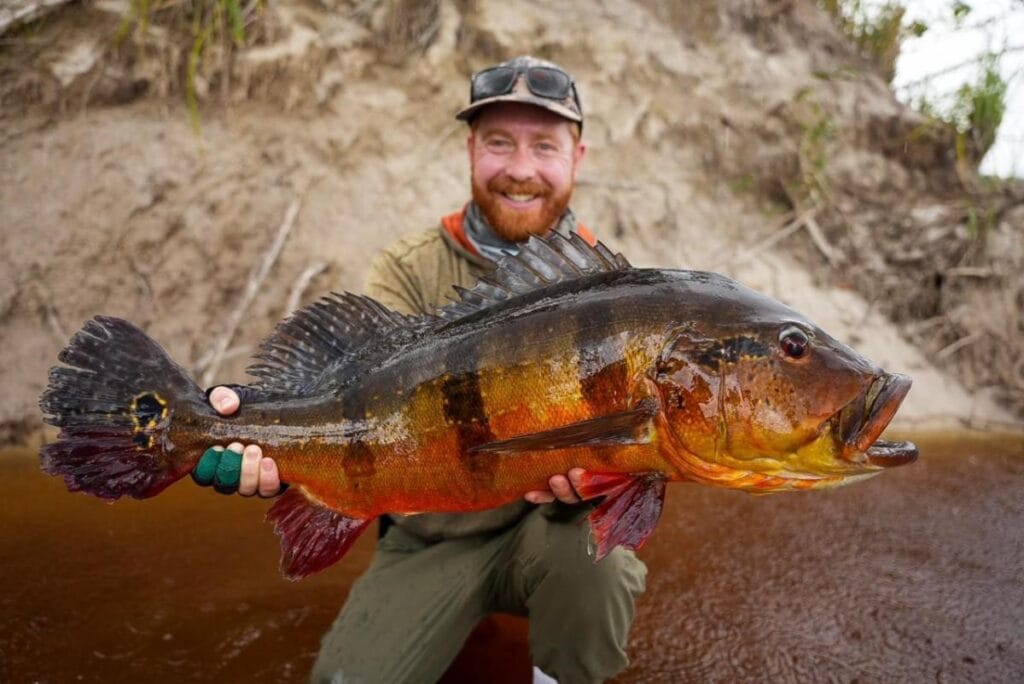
column 484, row 390
column 639, row 376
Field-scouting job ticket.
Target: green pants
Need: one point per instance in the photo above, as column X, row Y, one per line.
column 409, row 614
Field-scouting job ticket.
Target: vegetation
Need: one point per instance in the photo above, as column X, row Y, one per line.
column 219, row 23
column 877, row 31
column 979, row 108
column 975, row 111
column 817, row 130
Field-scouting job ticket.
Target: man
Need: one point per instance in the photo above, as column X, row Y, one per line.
column 435, row 576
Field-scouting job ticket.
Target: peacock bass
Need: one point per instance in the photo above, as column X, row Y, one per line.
column 565, row 356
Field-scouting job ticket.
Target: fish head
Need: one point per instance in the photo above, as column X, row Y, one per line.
column 759, row 398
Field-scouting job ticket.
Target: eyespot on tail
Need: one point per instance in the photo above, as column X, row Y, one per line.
column 114, row 400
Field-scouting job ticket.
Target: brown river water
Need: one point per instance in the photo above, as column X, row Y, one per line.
column 916, row 576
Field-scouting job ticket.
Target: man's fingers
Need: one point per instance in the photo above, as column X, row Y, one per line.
column 270, row 480
column 225, row 479
column 539, row 496
column 249, row 480
column 207, row 467
column 238, row 469
column 563, row 490
column 224, row 400
column 576, row 480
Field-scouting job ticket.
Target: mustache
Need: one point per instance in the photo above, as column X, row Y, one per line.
column 508, row 186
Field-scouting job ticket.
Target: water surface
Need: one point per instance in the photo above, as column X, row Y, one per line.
column 916, row 575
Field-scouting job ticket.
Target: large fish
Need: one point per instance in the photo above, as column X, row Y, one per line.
column 565, row 356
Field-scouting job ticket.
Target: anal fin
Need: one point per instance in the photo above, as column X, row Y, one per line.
column 313, row 537
column 629, row 512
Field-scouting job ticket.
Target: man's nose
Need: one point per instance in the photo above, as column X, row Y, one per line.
column 520, row 166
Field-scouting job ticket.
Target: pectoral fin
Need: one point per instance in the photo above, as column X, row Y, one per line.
column 627, row 427
column 313, row 537
column 629, row 512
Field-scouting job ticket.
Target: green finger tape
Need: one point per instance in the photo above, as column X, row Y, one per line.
column 204, row 471
column 229, row 470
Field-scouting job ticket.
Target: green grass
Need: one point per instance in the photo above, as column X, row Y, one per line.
column 207, row 22
column 877, row 31
column 979, row 107
column 975, row 113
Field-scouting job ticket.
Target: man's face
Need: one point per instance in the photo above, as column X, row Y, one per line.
column 523, row 161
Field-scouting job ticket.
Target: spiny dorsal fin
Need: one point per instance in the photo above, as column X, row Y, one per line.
column 540, row 262
column 327, row 334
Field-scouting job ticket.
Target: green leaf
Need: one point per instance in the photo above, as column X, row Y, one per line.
column 234, row 12
column 917, row 28
column 960, row 11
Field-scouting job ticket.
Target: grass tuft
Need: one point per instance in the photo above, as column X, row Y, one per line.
column 209, row 22
column 877, row 31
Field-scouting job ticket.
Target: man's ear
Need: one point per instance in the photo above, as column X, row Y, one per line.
column 470, row 143
column 578, row 154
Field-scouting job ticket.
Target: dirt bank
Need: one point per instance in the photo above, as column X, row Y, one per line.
column 700, row 141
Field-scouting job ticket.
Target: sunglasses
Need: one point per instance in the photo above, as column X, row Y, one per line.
column 546, row 82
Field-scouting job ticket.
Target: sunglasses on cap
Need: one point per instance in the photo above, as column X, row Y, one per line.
column 547, row 82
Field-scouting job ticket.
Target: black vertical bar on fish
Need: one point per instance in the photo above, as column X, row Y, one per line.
column 358, row 461
column 601, row 364
column 603, row 370
column 465, row 410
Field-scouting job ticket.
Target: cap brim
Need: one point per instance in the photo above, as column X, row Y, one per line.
column 544, row 103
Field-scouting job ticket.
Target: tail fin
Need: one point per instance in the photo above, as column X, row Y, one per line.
column 114, row 402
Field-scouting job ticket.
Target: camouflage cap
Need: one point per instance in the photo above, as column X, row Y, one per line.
column 528, row 80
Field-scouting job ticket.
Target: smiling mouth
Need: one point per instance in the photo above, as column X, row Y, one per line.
column 520, row 199
column 865, row 418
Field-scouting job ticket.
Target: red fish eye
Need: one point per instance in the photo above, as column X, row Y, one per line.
column 794, row 343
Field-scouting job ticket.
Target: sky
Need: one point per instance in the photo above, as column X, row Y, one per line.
column 990, row 25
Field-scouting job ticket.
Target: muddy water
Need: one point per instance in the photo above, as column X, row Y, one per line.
column 917, row 575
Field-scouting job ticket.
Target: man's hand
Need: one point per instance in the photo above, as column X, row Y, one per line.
column 258, row 474
column 563, row 488
column 255, row 473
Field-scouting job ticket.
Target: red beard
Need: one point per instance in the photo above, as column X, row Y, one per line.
column 517, row 225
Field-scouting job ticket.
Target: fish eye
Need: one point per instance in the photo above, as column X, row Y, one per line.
column 794, row 342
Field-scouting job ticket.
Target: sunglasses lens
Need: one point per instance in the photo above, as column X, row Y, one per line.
column 493, row 82
column 549, row 83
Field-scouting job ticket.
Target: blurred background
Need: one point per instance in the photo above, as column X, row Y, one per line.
column 203, row 167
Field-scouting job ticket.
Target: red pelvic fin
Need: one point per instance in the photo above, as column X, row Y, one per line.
column 313, row 537
column 629, row 512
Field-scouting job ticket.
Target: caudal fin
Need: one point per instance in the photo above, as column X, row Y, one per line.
column 114, row 401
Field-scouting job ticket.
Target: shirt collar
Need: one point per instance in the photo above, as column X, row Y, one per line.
column 491, row 245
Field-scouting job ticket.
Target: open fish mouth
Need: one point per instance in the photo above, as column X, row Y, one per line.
column 866, row 417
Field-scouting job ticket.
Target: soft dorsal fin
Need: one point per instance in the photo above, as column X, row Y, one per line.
column 539, row 262
column 326, row 334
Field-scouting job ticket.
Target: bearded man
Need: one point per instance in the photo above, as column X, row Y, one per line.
column 435, row 576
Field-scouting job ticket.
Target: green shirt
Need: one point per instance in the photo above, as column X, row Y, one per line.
column 416, row 275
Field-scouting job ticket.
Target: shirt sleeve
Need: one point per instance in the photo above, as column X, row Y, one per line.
column 393, row 284
column 415, row 275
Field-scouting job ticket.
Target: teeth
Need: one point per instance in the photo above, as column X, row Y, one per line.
column 520, row 198
column 872, row 394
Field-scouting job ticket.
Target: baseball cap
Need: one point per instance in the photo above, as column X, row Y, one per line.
column 528, row 80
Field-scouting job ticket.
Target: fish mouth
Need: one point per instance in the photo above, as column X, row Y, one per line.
column 866, row 417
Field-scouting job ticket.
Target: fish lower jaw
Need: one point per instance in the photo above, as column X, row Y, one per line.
column 703, row 472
